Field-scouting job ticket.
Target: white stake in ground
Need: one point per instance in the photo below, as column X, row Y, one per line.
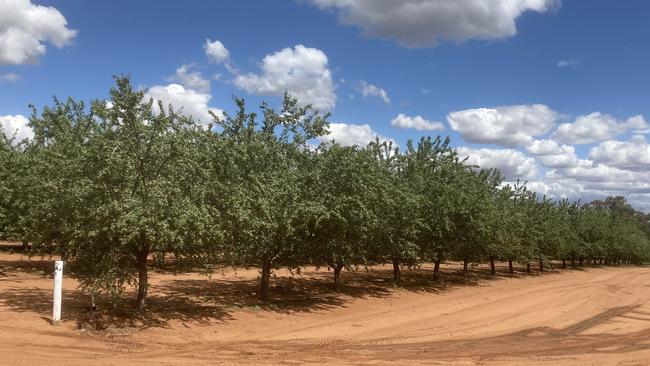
column 58, row 282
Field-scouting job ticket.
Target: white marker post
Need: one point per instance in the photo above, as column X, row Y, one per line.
column 58, row 282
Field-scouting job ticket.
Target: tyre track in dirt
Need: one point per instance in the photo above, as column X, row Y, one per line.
column 596, row 316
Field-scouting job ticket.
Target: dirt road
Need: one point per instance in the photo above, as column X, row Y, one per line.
column 595, row 316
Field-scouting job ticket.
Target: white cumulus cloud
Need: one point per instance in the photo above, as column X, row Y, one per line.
column 603, row 179
column 423, row 23
column 630, row 155
column 190, row 79
column 16, row 127
column 25, row 28
column 417, row 123
column 216, row 51
column 301, row 71
column 350, row 134
column 511, row 163
column 193, row 104
column 555, row 190
column 366, row 89
column 553, row 155
column 595, row 127
column 508, row 126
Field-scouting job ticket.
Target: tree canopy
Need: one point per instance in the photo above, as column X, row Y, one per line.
column 117, row 185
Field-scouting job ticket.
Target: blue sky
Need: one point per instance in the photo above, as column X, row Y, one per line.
column 563, row 86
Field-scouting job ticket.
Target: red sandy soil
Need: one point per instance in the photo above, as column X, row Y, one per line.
column 590, row 316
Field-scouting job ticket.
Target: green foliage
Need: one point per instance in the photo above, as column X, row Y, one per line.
column 264, row 167
column 430, row 170
column 7, row 176
column 344, row 218
column 118, row 183
column 397, row 206
column 111, row 186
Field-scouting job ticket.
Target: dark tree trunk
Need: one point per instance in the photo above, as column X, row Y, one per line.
column 510, row 269
column 93, row 300
column 465, row 265
column 493, row 268
column 143, row 279
column 563, row 264
column 265, row 280
column 580, row 262
column 528, row 267
column 436, row 270
column 337, row 277
column 541, row 265
column 397, row 274
column 25, row 246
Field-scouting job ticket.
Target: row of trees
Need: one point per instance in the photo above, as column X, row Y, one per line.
column 110, row 185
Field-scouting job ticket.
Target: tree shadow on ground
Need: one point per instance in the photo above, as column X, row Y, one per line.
column 313, row 290
column 160, row 309
column 11, row 247
column 36, row 265
column 210, row 299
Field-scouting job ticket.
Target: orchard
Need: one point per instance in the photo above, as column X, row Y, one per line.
column 117, row 186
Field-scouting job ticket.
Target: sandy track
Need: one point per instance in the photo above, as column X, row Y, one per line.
column 597, row 316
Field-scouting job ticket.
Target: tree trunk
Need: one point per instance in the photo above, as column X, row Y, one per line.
column 563, row 264
column 397, row 274
column 510, row 269
column 465, row 265
column 436, row 270
column 143, row 279
column 265, row 280
column 580, row 262
column 528, row 267
column 25, row 246
column 337, row 277
column 493, row 269
column 541, row 265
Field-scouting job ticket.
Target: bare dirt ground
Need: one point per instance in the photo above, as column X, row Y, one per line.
column 591, row 316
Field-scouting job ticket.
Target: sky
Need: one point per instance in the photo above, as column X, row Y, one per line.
column 554, row 93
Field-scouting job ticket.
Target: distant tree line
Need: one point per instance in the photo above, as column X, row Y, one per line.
column 111, row 185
